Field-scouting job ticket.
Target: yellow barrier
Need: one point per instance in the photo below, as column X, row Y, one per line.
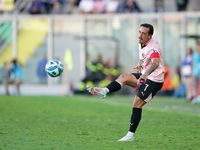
column 29, row 38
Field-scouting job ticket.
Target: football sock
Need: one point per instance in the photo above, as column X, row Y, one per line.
column 135, row 119
column 114, row 86
column 106, row 90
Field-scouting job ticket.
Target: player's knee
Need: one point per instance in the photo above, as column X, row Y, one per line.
column 138, row 103
column 125, row 76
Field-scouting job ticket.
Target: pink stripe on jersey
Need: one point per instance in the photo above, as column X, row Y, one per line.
column 152, row 46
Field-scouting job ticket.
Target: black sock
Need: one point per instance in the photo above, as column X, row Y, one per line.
column 114, row 86
column 135, row 119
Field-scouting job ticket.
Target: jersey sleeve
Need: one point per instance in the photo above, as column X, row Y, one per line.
column 154, row 53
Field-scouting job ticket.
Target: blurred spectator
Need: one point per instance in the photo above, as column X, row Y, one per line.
column 86, row 7
column 176, row 79
column 111, row 72
column 48, row 6
column 96, row 70
column 128, row 6
column 180, row 91
column 60, row 6
column 3, row 73
column 181, row 5
column 41, row 73
column 57, row 8
column 88, row 65
column 94, row 74
column 72, row 6
column 106, row 69
column 111, row 6
column 168, row 88
column 186, row 72
column 99, row 6
column 196, row 69
column 107, row 75
column 36, row 7
column 117, row 69
column 15, row 76
column 178, row 70
column 120, row 6
column 156, row 8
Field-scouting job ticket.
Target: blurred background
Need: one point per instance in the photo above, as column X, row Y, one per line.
column 96, row 40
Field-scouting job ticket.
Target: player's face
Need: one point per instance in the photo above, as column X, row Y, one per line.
column 144, row 35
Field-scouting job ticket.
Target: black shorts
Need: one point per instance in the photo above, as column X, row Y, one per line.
column 149, row 89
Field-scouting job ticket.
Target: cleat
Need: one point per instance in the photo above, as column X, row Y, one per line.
column 126, row 138
column 96, row 91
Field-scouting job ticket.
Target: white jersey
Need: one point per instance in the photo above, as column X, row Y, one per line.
column 145, row 52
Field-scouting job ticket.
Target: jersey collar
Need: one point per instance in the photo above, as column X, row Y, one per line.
column 146, row 43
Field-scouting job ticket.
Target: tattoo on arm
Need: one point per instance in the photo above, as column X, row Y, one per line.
column 151, row 68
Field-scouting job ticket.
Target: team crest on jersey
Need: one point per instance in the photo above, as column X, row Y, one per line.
column 154, row 51
column 143, row 55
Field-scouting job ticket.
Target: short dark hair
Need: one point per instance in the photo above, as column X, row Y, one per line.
column 148, row 26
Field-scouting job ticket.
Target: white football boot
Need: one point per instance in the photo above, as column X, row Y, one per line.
column 128, row 137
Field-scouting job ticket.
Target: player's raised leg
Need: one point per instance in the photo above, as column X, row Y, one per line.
column 124, row 79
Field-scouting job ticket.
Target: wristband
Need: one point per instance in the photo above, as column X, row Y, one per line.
column 142, row 81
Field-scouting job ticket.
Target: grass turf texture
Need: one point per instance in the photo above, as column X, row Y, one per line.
column 90, row 123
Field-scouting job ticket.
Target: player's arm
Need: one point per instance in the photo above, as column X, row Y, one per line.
column 154, row 65
column 155, row 59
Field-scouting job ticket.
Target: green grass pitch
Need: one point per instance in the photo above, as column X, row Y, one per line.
column 90, row 123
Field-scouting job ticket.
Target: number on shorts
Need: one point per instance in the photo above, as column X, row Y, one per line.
column 146, row 87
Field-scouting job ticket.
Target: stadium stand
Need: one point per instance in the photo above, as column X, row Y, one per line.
column 32, row 33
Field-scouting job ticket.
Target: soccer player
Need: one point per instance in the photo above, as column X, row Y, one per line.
column 148, row 79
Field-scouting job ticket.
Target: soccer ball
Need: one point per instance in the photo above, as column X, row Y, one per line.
column 54, row 68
